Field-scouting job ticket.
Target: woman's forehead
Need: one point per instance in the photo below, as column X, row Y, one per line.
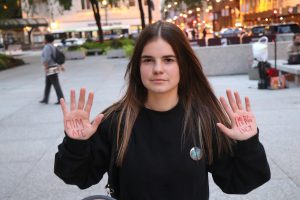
column 158, row 46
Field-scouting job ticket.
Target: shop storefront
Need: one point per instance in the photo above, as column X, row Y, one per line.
column 27, row 32
column 284, row 15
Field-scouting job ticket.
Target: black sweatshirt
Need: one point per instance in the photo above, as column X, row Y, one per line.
column 157, row 164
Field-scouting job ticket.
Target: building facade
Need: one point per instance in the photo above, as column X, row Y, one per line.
column 226, row 13
column 257, row 12
column 79, row 20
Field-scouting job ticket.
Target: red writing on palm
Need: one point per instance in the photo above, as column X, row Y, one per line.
column 75, row 126
column 244, row 123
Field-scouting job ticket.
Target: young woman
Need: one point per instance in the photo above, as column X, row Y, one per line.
column 167, row 132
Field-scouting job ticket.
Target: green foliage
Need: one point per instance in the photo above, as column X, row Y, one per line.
column 115, row 44
column 127, row 41
column 65, row 4
column 10, row 9
column 9, row 62
column 93, row 45
column 126, row 44
column 128, row 49
column 76, row 48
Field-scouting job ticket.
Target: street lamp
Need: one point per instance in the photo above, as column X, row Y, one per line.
column 104, row 3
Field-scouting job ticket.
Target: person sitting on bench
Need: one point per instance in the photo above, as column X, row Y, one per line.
column 294, row 50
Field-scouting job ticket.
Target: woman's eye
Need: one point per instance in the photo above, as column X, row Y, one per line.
column 146, row 60
column 169, row 60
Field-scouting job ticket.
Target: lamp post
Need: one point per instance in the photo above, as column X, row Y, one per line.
column 104, row 3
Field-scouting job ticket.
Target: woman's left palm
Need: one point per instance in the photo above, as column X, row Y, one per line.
column 243, row 123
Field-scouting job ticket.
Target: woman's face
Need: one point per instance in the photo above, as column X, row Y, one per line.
column 159, row 68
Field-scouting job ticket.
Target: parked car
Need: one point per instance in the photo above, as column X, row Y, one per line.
column 69, row 42
column 275, row 29
column 257, row 31
column 282, row 28
column 112, row 36
column 229, row 32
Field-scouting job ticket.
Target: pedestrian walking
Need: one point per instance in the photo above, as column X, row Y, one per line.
column 204, row 33
column 51, row 70
column 160, row 140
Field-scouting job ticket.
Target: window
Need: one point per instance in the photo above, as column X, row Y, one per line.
column 131, row 2
column 82, row 4
column 88, row 4
column 85, row 4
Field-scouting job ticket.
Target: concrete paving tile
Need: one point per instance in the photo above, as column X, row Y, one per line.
column 30, row 132
column 276, row 189
column 11, row 174
column 42, row 183
column 23, row 150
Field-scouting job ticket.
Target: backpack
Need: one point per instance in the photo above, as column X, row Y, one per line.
column 58, row 56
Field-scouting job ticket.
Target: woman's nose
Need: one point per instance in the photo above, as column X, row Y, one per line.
column 157, row 68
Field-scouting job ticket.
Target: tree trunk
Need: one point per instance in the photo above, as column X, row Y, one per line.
column 29, row 35
column 149, row 11
column 97, row 16
column 142, row 14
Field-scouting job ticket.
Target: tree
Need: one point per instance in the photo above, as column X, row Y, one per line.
column 97, row 16
column 142, row 14
column 9, row 9
column 29, row 7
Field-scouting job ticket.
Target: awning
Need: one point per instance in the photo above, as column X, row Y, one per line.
column 22, row 23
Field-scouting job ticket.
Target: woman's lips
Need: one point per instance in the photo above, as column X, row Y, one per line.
column 158, row 80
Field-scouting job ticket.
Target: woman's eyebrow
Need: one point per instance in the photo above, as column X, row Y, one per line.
column 165, row 56
column 169, row 56
column 146, row 56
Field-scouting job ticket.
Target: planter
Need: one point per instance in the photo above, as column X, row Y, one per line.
column 70, row 55
column 116, row 53
column 94, row 51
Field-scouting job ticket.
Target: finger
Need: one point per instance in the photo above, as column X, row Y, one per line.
column 89, row 102
column 238, row 100
column 73, row 100
column 226, row 107
column 225, row 130
column 247, row 102
column 63, row 106
column 97, row 121
column 231, row 100
column 81, row 99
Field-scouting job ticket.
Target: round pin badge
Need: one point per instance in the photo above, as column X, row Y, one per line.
column 195, row 153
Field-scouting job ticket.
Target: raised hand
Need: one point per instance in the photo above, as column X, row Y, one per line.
column 77, row 121
column 243, row 123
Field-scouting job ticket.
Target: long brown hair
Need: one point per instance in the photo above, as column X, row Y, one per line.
column 202, row 108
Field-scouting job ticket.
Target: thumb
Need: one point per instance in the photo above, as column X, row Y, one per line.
column 97, row 121
column 224, row 129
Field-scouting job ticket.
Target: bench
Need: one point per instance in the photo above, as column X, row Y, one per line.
column 282, row 65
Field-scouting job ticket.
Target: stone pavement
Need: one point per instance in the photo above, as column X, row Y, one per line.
column 30, row 132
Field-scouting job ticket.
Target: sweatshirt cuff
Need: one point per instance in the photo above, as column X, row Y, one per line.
column 250, row 144
column 78, row 147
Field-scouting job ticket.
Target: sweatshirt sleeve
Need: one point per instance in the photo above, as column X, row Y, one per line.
column 83, row 162
column 246, row 169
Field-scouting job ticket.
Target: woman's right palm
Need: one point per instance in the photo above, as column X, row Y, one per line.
column 77, row 121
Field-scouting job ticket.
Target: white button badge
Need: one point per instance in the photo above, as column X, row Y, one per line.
column 195, row 153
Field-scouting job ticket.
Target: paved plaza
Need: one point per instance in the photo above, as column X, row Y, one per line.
column 30, row 131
